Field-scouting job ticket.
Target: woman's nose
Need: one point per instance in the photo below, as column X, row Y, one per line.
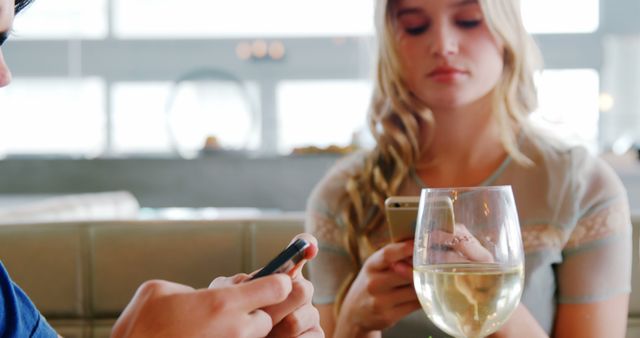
column 5, row 73
column 443, row 41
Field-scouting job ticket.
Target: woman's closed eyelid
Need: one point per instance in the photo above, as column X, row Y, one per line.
column 468, row 23
column 416, row 30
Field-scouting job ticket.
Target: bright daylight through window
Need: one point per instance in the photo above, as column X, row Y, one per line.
column 113, row 109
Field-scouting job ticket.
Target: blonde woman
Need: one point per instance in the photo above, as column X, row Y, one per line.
column 454, row 88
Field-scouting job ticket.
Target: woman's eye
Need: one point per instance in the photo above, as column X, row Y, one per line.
column 416, row 30
column 468, row 23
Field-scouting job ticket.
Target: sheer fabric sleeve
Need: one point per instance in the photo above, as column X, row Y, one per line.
column 597, row 256
column 332, row 266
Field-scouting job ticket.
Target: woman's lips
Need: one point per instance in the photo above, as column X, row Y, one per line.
column 446, row 74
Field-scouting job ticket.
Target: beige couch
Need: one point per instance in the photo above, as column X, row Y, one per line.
column 81, row 275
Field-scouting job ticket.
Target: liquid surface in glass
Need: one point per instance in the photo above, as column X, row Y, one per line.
column 468, row 300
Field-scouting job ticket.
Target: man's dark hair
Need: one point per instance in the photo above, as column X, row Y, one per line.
column 21, row 4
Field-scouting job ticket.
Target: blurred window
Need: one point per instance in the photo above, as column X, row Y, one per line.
column 53, row 116
column 191, row 111
column 88, row 19
column 138, row 123
column 295, row 18
column 569, row 105
column 303, row 108
column 561, row 16
column 321, row 113
column 69, row 19
column 241, row 18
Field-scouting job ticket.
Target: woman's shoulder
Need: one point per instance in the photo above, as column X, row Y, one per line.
column 546, row 149
column 327, row 191
column 590, row 176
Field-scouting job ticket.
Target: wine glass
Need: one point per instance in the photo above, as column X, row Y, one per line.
column 468, row 259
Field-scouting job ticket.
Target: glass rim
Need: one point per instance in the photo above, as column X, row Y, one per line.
column 486, row 187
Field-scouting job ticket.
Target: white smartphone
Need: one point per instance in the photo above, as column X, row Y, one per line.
column 402, row 213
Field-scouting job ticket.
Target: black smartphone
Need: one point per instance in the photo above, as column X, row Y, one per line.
column 286, row 260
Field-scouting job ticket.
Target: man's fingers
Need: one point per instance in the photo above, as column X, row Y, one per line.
column 158, row 288
column 296, row 323
column 263, row 292
column 221, row 282
column 301, row 294
column 260, row 324
column 316, row 332
column 309, row 253
column 312, row 250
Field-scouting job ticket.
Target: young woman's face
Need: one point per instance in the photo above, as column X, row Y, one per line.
column 6, row 20
column 449, row 56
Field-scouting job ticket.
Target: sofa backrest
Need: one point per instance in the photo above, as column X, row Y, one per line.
column 77, row 273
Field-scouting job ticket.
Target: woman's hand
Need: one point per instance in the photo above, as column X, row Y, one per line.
column 381, row 294
column 458, row 247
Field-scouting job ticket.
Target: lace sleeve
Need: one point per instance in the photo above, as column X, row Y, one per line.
column 597, row 256
column 332, row 266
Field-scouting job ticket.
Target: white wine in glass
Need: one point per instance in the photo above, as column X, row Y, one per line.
column 468, row 259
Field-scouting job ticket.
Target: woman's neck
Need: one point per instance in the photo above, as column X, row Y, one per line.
column 465, row 150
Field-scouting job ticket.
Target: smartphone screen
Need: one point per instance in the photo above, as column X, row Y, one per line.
column 286, row 260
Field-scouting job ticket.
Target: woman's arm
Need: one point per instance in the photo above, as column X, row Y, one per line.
column 606, row 318
column 602, row 319
column 328, row 324
column 522, row 325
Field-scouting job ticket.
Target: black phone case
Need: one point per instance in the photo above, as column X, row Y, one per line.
column 286, row 260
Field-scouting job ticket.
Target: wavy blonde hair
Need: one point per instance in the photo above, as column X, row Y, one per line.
column 395, row 115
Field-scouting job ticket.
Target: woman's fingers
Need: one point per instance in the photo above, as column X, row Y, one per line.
column 384, row 281
column 460, row 246
column 384, row 258
column 406, row 308
column 400, row 296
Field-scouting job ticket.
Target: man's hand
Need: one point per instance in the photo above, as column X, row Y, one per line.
column 295, row 316
column 165, row 309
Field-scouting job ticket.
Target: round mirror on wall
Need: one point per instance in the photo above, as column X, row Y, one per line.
column 211, row 111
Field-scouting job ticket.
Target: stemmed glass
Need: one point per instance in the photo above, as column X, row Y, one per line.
column 468, row 259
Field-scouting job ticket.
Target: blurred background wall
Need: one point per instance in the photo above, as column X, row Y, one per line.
column 202, row 102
